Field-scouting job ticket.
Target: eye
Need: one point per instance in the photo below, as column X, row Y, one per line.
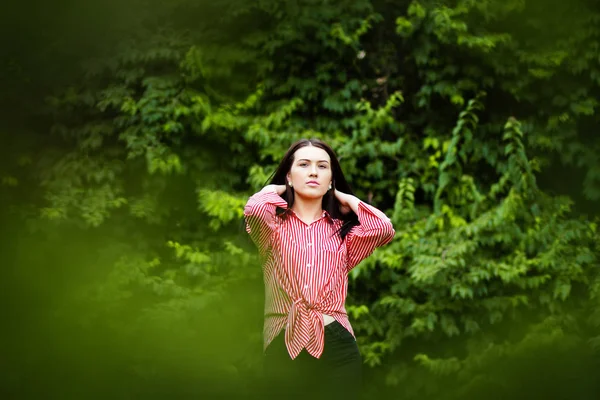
column 323, row 166
column 303, row 164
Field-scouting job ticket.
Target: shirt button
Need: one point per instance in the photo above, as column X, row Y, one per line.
column 305, row 286
column 308, row 265
column 309, row 244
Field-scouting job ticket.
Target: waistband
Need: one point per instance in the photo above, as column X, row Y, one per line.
column 335, row 326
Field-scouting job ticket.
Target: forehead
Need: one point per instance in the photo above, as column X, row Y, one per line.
column 312, row 153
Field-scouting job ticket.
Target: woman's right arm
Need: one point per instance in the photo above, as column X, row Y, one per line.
column 260, row 215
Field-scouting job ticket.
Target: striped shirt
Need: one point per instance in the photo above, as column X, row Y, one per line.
column 306, row 267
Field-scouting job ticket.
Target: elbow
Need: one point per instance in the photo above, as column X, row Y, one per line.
column 248, row 210
column 253, row 208
column 256, row 211
column 381, row 233
column 388, row 232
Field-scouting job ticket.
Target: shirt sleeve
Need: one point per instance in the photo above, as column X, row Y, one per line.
column 259, row 213
column 375, row 230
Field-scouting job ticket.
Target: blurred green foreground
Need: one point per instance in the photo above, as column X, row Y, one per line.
column 133, row 133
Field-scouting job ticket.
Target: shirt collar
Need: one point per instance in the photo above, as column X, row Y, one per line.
column 324, row 214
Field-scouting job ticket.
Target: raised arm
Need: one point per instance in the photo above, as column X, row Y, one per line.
column 260, row 215
column 375, row 229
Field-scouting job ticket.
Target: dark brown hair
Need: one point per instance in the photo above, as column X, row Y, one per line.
column 330, row 202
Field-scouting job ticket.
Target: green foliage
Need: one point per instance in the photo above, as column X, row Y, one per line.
column 222, row 207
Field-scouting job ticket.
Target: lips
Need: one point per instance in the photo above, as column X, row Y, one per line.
column 314, row 183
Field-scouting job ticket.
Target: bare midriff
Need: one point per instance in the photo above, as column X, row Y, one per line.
column 327, row 319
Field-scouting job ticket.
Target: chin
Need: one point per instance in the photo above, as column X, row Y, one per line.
column 310, row 195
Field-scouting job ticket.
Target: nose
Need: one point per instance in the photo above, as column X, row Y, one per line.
column 313, row 170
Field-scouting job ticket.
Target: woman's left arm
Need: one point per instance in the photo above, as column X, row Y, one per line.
column 375, row 229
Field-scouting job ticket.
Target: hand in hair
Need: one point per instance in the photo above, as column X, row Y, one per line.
column 279, row 189
column 347, row 202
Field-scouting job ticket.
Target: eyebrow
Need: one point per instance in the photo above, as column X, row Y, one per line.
column 306, row 159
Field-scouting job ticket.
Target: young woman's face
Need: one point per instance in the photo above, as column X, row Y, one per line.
column 310, row 174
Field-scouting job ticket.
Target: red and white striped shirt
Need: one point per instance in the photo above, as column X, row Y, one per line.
column 306, row 267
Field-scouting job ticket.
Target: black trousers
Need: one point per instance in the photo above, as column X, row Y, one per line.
column 336, row 374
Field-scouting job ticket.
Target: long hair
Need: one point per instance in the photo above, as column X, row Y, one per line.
column 330, row 202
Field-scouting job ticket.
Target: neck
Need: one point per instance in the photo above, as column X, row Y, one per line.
column 307, row 210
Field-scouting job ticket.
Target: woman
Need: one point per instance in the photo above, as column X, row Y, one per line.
column 311, row 231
